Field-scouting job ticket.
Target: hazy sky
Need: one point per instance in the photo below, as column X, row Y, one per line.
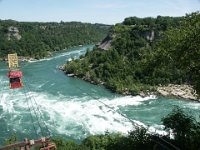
column 94, row 11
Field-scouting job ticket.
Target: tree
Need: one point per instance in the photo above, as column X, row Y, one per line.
column 185, row 128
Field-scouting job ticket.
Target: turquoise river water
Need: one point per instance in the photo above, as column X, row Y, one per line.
column 68, row 106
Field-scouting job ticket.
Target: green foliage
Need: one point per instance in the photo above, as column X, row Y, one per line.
column 186, row 131
column 63, row 144
column 137, row 139
column 179, row 51
column 38, row 39
column 101, row 142
column 146, row 53
column 185, row 128
column 179, row 122
column 160, row 23
column 12, row 139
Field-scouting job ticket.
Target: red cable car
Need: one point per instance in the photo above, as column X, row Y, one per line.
column 15, row 75
column 15, row 79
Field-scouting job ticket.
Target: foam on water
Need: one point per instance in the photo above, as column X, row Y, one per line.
column 192, row 105
column 128, row 101
column 7, row 106
column 89, row 116
column 71, row 116
column 72, row 53
column 157, row 129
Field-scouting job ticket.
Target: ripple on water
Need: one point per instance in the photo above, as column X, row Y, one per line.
column 70, row 112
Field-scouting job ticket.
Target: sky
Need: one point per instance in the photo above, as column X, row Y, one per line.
column 93, row 11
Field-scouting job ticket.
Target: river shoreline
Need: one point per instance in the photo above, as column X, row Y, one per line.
column 50, row 54
column 26, row 58
column 183, row 91
column 69, row 105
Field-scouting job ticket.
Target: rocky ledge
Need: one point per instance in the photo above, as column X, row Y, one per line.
column 172, row 90
column 180, row 91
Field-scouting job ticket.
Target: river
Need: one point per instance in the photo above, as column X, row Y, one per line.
column 72, row 108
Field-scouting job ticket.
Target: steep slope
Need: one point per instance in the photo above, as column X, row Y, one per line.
column 34, row 39
column 145, row 53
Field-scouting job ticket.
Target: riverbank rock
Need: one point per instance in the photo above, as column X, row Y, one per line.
column 181, row 91
column 61, row 67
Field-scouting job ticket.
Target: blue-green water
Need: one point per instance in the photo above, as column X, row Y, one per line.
column 68, row 106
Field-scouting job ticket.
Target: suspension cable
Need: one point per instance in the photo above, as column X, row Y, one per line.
column 11, row 94
column 28, row 108
column 37, row 107
column 2, row 89
column 27, row 101
column 175, row 147
column 36, row 115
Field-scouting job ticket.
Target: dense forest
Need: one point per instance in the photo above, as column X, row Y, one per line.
column 145, row 53
column 37, row 40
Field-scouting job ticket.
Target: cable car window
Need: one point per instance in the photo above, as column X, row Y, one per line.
column 12, row 80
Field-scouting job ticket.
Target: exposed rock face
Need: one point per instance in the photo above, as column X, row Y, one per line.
column 13, row 32
column 106, row 43
column 151, row 36
column 43, row 27
column 181, row 91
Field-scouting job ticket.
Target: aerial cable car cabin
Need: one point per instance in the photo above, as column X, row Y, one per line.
column 15, row 78
column 14, row 75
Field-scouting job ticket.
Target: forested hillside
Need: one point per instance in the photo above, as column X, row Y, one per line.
column 145, row 53
column 34, row 39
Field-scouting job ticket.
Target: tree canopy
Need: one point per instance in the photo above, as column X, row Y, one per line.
column 146, row 53
column 35, row 39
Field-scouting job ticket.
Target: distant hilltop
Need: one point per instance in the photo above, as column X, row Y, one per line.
column 146, row 56
column 37, row 40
